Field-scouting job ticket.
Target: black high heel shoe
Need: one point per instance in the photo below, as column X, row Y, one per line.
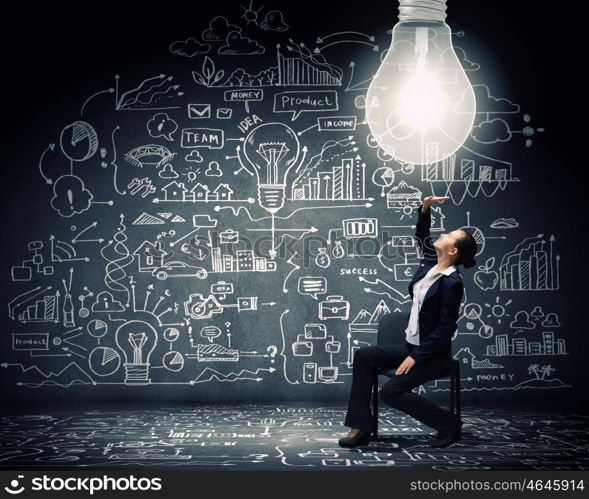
column 361, row 438
column 447, row 437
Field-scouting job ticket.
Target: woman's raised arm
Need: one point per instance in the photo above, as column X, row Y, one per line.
column 422, row 229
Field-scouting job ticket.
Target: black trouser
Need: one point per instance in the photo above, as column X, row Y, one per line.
column 397, row 390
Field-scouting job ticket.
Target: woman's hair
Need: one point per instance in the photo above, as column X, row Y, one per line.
column 467, row 249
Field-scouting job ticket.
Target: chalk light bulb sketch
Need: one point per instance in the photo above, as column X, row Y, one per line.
column 272, row 149
column 137, row 339
column 420, row 106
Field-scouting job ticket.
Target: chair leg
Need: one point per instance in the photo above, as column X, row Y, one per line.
column 375, row 407
column 452, row 392
column 458, row 408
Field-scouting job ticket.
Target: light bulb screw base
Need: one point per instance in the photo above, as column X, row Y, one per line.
column 137, row 374
column 422, row 10
column 271, row 196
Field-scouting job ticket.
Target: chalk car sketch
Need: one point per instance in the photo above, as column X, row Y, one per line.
column 179, row 269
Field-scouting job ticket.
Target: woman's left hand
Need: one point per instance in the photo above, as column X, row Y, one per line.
column 405, row 366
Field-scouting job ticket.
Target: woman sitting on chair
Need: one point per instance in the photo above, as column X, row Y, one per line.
column 436, row 290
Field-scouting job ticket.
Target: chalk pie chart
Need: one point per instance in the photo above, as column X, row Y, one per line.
column 97, row 328
column 104, row 361
column 78, row 141
column 173, row 361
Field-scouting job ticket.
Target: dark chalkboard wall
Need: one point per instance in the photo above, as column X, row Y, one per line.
column 142, row 261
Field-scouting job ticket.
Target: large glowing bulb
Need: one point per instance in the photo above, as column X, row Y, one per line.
column 420, row 106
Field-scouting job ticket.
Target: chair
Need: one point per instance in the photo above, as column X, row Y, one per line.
column 392, row 326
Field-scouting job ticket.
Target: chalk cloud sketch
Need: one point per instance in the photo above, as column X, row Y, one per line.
column 189, row 47
column 194, row 156
column 168, row 172
column 489, row 104
column 218, row 30
column 491, row 131
column 70, row 196
column 106, row 303
column 238, row 44
column 274, row 21
column 465, row 62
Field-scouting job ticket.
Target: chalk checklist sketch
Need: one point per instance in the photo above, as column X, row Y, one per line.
column 224, row 216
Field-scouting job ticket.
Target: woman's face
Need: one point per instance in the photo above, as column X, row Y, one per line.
column 445, row 244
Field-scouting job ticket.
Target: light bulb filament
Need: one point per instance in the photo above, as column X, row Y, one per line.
column 272, row 153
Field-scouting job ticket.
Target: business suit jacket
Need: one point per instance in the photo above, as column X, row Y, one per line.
column 439, row 310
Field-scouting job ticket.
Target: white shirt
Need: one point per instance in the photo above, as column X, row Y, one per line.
column 419, row 291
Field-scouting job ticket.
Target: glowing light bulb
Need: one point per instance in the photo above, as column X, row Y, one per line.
column 272, row 149
column 420, row 106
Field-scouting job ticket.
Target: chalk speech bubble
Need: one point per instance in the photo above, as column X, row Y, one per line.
column 312, row 286
column 305, row 101
column 210, row 332
column 161, row 125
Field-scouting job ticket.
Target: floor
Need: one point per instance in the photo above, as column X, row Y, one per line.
column 290, row 436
